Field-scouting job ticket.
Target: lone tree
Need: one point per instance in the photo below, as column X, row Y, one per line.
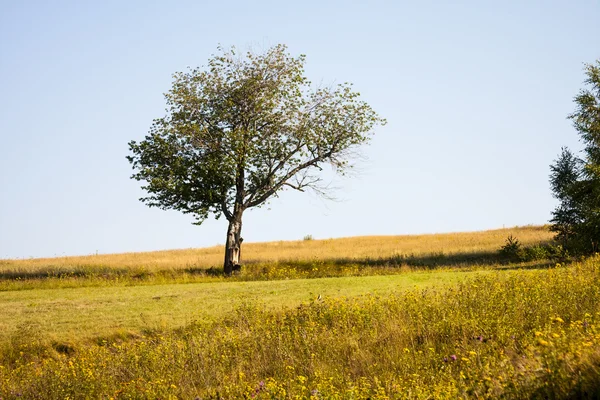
column 575, row 181
column 240, row 131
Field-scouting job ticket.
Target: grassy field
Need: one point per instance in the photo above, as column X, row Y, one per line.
column 93, row 313
column 431, row 316
column 275, row 260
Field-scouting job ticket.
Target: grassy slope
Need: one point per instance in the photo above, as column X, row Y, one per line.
column 481, row 329
column 124, row 305
column 512, row 335
column 372, row 255
column 357, row 248
column 96, row 312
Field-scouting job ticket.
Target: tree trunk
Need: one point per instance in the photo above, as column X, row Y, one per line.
column 233, row 246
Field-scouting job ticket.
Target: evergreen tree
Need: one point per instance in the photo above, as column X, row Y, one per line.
column 576, row 182
column 566, row 216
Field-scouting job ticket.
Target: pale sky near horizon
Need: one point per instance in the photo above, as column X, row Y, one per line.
column 476, row 95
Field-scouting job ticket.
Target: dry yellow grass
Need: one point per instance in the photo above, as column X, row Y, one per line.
column 354, row 248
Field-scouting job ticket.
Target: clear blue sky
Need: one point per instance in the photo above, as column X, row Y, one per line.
column 476, row 94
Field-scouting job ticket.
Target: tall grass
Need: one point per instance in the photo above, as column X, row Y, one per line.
column 274, row 260
column 527, row 334
column 79, row 315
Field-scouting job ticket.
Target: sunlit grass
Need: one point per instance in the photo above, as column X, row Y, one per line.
column 502, row 334
column 80, row 314
column 428, row 316
column 295, row 259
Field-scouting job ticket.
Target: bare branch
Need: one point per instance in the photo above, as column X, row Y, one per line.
column 283, row 180
column 296, row 187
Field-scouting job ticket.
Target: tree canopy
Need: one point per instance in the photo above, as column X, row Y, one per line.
column 242, row 129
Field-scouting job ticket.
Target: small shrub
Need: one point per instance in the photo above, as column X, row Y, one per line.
column 557, row 251
column 534, row 253
column 511, row 248
column 308, row 237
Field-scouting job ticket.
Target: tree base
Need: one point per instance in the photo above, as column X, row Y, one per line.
column 233, row 269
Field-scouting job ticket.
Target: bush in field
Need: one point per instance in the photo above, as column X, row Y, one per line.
column 511, row 248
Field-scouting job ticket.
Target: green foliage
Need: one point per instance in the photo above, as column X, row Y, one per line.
column 308, row 237
column 511, row 248
column 242, row 130
column 514, row 251
column 534, row 253
column 568, row 216
column 575, row 181
column 528, row 334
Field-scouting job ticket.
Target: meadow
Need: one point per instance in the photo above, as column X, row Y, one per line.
column 429, row 316
column 368, row 255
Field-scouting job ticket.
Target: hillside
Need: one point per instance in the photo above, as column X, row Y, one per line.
column 427, row 316
column 305, row 258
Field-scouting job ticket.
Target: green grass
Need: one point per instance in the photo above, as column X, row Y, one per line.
column 96, row 312
column 429, row 316
column 504, row 334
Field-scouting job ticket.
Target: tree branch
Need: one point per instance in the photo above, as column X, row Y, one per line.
column 226, row 211
column 271, row 173
column 289, row 175
column 297, row 187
